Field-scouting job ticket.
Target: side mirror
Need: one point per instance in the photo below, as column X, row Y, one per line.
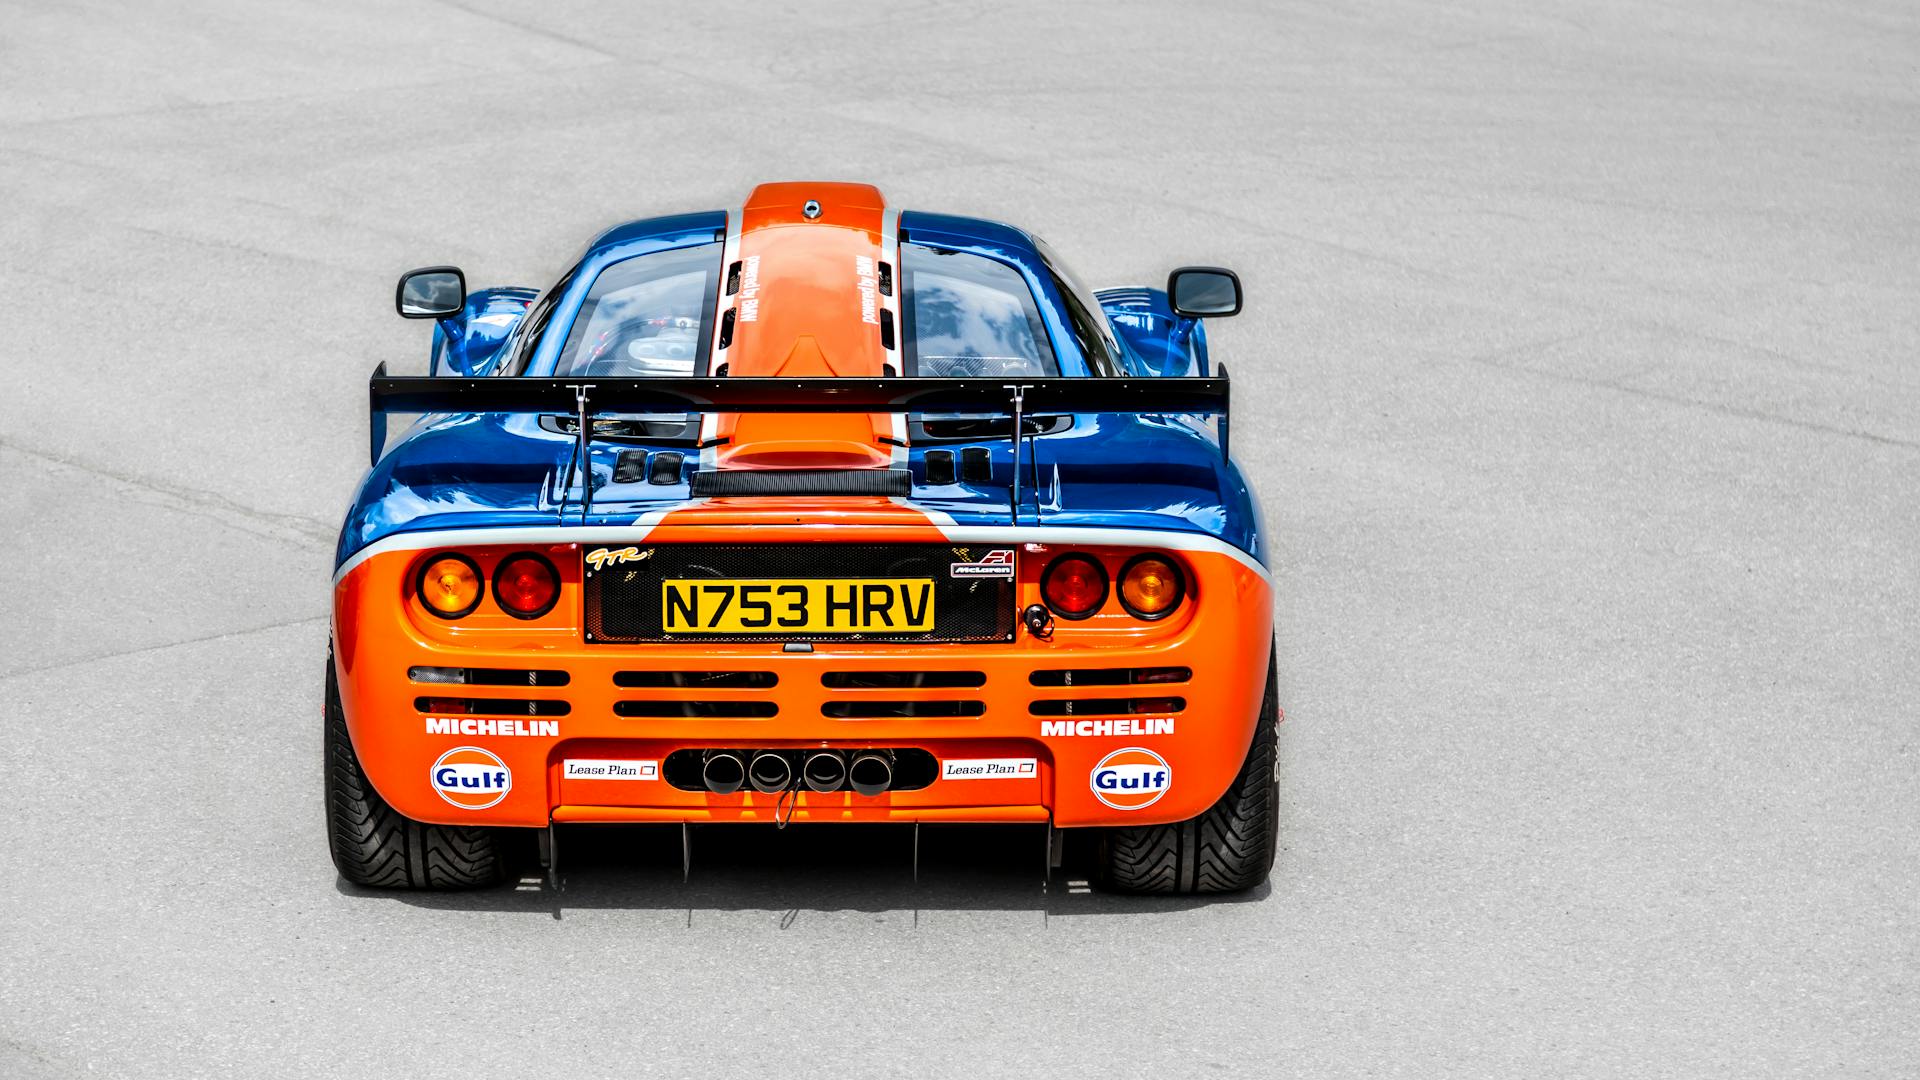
column 1203, row 292
column 431, row 292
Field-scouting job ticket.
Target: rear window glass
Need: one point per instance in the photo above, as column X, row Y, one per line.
column 1084, row 314
column 966, row 314
column 648, row 315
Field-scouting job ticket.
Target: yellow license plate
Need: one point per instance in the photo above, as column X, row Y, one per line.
column 785, row 606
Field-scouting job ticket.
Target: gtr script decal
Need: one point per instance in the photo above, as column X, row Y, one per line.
column 600, row 557
column 1131, row 779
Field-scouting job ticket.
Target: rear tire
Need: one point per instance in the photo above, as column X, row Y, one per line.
column 374, row 845
column 1227, row 849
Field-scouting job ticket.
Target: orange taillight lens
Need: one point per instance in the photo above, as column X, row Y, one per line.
column 1151, row 587
column 526, row 586
column 1074, row 586
column 450, row 586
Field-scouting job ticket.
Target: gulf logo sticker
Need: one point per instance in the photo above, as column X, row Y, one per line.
column 471, row 778
column 1131, row 779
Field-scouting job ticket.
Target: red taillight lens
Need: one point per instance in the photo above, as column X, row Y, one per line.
column 526, row 585
column 1075, row 586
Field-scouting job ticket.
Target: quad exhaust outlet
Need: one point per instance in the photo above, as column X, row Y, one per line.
column 824, row 770
column 770, row 772
column 871, row 773
column 723, row 772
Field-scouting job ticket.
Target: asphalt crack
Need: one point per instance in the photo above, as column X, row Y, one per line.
column 194, row 501
column 216, row 636
column 1488, row 360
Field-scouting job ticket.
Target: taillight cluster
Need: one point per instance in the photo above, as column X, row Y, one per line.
column 1075, row 586
column 525, row 585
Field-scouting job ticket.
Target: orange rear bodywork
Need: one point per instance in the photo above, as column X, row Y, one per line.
column 401, row 725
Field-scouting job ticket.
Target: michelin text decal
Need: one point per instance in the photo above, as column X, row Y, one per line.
column 476, row 725
column 1126, row 725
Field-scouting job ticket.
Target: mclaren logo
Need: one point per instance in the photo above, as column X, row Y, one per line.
column 997, row 563
column 600, row 558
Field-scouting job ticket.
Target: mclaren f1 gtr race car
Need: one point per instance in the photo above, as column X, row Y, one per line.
column 808, row 511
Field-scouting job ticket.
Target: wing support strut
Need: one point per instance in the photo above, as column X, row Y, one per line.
column 1019, row 440
column 582, row 450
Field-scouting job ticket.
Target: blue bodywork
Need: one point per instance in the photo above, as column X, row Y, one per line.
column 1104, row 470
column 472, row 343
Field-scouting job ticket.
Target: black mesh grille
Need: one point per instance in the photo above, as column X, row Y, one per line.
column 623, row 603
column 742, row 482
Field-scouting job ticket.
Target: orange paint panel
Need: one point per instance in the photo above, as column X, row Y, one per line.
column 402, row 728
column 977, row 815
column 808, row 305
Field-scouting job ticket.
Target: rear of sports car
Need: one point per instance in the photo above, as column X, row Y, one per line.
column 791, row 648
column 751, row 672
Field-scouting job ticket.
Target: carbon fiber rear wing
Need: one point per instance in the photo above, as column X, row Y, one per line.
column 585, row 397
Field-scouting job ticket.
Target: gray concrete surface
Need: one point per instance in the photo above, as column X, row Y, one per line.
column 1577, row 376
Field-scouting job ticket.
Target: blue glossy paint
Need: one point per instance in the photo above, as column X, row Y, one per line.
column 1162, row 343
column 469, row 343
column 1104, row 471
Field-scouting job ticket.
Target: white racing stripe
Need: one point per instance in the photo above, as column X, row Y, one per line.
column 643, row 527
column 1072, row 536
column 654, row 517
column 729, row 254
column 940, row 518
column 890, row 254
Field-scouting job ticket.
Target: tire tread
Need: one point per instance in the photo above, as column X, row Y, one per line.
column 1229, row 848
column 375, row 846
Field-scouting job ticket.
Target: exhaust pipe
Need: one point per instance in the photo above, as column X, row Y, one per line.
column 723, row 772
column 870, row 773
column 824, row 770
column 770, row 772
